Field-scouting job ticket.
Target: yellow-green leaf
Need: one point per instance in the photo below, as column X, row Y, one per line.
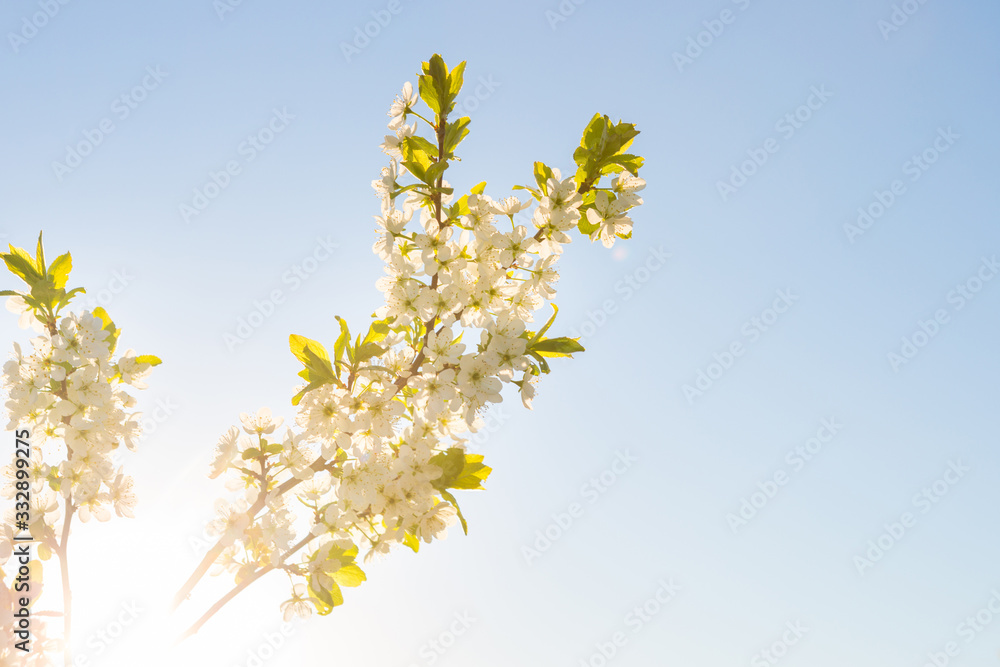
column 350, row 575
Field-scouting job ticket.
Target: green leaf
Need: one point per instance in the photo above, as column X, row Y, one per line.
column 585, row 226
column 534, row 193
column 343, row 340
column 103, row 316
column 479, row 189
column 350, row 575
column 22, row 266
column 455, row 79
column 417, row 144
column 307, row 350
column 451, row 499
column 318, row 369
column 40, row 255
column 473, row 474
column 602, row 150
column 109, row 326
column 377, row 332
column 460, row 470
column 70, row 294
column 59, row 271
column 451, row 462
column 543, row 365
column 438, row 87
column 336, row 595
column 622, row 136
column 9, row 292
column 617, row 163
column 251, row 453
column 45, row 293
column 312, row 385
column 412, row 541
column 557, row 347
column 429, row 93
column 542, row 175
column 419, row 171
column 595, row 134
column 367, row 351
column 459, row 208
column 438, row 71
column 541, row 332
column 346, row 556
column 150, row 359
column 418, row 157
column 325, row 600
column 435, row 172
column 456, row 132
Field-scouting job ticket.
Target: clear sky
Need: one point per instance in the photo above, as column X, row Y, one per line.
column 766, row 127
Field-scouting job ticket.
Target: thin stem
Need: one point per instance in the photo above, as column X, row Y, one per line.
column 198, row 573
column 414, row 113
column 63, row 553
column 239, row 588
column 193, row 630
column 219, row 547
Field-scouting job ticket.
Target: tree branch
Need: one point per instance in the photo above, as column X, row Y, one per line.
column 239, row 588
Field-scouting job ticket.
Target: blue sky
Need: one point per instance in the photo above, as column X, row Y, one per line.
column 178, row 287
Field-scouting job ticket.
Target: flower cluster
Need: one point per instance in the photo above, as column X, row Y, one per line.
column 71, row 390
column 379, row 438
column 70, row 393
